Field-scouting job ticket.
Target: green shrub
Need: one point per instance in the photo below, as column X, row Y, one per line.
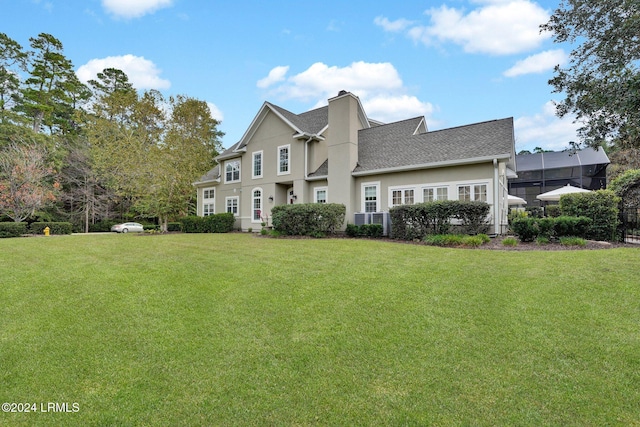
column 552, row 211
column 545, row 227
column 150, row 227
column 54, row 227
column 526, row 229
column 409, row 222
column 509, row 241
column 174, row 226
column 571, row 226
column 542, row 240
column 217, row 223
column 534, row 211
column 456, row 240
column 103, row 226
column 365, row 230
column 12, row 229
column 600, row 206
column 444, row 239
column 308, row 219
column 572, row 241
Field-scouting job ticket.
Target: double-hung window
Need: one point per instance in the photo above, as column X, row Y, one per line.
column 208, row 201
column 257, row 165
column 370, row 197
column 232, row 171
column 232, row 205
column 284, row 159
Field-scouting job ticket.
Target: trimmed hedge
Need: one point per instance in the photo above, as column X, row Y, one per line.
column 529, row 229
column 308, row 219
column 410, row 222
column 174, row 226
column 12, row 229
column 54, row 227
column 217, row 223
column 103, row 226
column 365, row 230
column 601, row 206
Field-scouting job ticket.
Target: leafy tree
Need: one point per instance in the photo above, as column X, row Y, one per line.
column 602, row 81
column 12, row 60
column 44, row 94
column 25, row 180
column 190, row 143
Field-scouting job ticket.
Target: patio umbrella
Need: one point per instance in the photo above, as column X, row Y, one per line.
column 554, row 195
column 515, row 200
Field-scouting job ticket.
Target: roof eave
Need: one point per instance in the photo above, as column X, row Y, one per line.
column 433, row 165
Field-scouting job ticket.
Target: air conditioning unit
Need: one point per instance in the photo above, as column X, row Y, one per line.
column 362, row 218
column 383, row 219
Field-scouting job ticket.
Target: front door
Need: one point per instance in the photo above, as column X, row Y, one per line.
column 290, row 196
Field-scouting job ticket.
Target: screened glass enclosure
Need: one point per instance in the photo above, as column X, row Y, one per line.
column 539, row 173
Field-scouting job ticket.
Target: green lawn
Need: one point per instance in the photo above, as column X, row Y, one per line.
column 212, row 330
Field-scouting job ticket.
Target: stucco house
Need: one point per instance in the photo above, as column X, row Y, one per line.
column 336, row 154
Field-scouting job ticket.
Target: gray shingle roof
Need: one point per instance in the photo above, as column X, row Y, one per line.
column 210, row 176
column 322, row 171
column 310, row 122
column 395, row 146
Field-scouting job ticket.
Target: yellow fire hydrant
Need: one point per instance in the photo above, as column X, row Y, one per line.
column 46, row 231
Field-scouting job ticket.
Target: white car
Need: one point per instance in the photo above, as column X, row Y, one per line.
column 127, row 227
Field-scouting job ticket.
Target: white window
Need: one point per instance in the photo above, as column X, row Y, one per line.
column 320, row 195
column 477, row 192
column 232, row 171
column 257, row 165
column 232, row 204
column 432, row 194
column 283, row 159
column 256, row 205
column 480, row 193
column 208, row 209
column 370, row 197
column 208, row 201
column 403, row 196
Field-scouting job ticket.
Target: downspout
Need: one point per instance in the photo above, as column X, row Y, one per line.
column 497, row 227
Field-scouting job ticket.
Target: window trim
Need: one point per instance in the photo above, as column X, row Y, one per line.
column 472, row 190
column 326, row 194
column 230, row 162
column 280, row 148
column 253, row 164
column 435, row 189
column 226, row 204
column 211, row 211
column 363, row 187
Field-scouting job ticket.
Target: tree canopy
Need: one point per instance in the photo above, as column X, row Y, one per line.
column 86, row 153
column 601, row 84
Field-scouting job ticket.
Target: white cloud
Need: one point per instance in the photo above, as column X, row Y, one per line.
column 392, row 26
column 378, row 85
column 134, row 8
column 545, row 130
column 538, row 63
column 496, row 27
column 142, row 73
column 216, row 113
column 275, row 75
column 391, row 108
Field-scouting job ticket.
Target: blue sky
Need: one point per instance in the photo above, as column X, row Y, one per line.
column 456, row 62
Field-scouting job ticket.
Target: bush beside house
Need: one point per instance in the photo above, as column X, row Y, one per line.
column 600, row 206
column 217, row 223
column 308, row 219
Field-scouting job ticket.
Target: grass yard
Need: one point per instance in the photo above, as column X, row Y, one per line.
column 221, row 330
